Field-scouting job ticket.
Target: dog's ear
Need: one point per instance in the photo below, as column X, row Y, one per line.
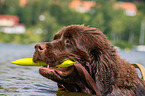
column 95, row 42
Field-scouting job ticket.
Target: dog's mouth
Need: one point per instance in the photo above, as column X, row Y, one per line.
column 56, row 73
column 51, row 69
column 67, row 78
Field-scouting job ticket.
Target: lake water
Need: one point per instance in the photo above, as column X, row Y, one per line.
column 26, row 81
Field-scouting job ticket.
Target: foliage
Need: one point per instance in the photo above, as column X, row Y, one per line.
column 66, row 16
column 122, row 30
column 49, row 26
column 26, row 38
column 123, row 44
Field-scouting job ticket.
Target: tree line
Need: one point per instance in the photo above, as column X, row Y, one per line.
column 121, row 30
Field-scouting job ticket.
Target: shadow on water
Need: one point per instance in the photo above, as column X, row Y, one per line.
column 22, row 80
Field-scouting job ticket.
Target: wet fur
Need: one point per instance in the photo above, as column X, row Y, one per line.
column 113, row 75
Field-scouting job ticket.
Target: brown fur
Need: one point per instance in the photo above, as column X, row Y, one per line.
column 89, row 47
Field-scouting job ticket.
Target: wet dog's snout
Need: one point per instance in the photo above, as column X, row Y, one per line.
column 40, row 46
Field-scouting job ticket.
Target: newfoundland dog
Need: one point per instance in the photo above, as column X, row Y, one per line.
column 98, row 69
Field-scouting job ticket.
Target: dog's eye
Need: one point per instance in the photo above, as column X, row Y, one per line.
column 67, row 42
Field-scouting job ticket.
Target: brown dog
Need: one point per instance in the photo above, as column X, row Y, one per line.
column 90, row 48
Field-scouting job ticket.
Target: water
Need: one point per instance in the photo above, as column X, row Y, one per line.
column 20, row 80
column 133, row 56
column 26, row 81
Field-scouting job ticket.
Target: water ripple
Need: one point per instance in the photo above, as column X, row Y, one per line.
column 26, row 81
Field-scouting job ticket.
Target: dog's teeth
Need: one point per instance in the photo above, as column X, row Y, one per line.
column 48, row 66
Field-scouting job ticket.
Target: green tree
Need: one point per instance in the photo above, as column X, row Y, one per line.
column 49, row 27
column 66, row 16
column 98, row 21
column 9, row 6
column 117, row 25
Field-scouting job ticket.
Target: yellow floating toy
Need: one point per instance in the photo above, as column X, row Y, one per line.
column 29, row 62
column 66, row 63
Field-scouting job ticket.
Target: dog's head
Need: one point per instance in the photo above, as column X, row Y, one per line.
column 78, row 43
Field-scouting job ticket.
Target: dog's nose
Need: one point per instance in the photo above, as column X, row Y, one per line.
column 40, row 46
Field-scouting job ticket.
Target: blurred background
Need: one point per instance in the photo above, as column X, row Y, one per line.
column 24, row 23
column 31, row 21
